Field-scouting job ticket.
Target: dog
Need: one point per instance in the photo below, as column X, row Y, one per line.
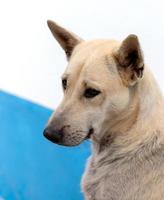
column 111, row 98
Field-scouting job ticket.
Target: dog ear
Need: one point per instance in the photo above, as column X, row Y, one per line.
column 130, row 60
column 66, row 39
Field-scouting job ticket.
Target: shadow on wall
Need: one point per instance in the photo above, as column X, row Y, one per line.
column 32, row 168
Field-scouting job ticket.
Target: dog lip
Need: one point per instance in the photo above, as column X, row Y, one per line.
column 91, row 131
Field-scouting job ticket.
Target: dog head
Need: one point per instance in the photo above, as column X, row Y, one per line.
column 96, row 84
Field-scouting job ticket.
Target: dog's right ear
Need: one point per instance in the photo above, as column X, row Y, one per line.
column 66, row 39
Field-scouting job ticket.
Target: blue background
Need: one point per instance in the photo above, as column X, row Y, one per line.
column 32, row 168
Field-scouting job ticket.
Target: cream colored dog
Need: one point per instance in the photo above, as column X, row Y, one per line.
column 111, row 97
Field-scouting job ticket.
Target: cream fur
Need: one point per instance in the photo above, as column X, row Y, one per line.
column 127, row 161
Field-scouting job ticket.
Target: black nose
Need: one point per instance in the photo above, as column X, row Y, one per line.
column 53, row 134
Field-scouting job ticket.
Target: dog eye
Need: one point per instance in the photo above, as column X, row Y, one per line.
column 64, row 84
column 90, row 93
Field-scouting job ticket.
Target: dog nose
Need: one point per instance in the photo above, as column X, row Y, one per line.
column 53, row 134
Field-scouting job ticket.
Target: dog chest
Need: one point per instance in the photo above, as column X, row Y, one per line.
column 128, row 182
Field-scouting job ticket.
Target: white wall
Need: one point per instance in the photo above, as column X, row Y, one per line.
column 31, row 61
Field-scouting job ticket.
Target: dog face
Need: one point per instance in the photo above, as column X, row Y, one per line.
column 96, row 86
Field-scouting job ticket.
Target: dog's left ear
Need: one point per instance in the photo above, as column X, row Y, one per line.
column 66, row 39
column 130, row 60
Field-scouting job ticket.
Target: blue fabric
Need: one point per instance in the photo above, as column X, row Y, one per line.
column 31, row 167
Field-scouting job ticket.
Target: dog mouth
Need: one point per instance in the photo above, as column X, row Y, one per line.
column 91, row 131
column 60, row 139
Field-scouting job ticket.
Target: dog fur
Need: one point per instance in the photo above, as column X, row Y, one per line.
column 125, row 120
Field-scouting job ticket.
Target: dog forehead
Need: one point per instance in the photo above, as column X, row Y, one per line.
column 95, row 48
column 92, row 58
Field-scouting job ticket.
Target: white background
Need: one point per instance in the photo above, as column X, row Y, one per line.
column 31, row 61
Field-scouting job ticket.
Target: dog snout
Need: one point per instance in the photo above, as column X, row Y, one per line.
column 53, row 134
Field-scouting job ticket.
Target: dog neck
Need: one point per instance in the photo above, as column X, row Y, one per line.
column 138, row 123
